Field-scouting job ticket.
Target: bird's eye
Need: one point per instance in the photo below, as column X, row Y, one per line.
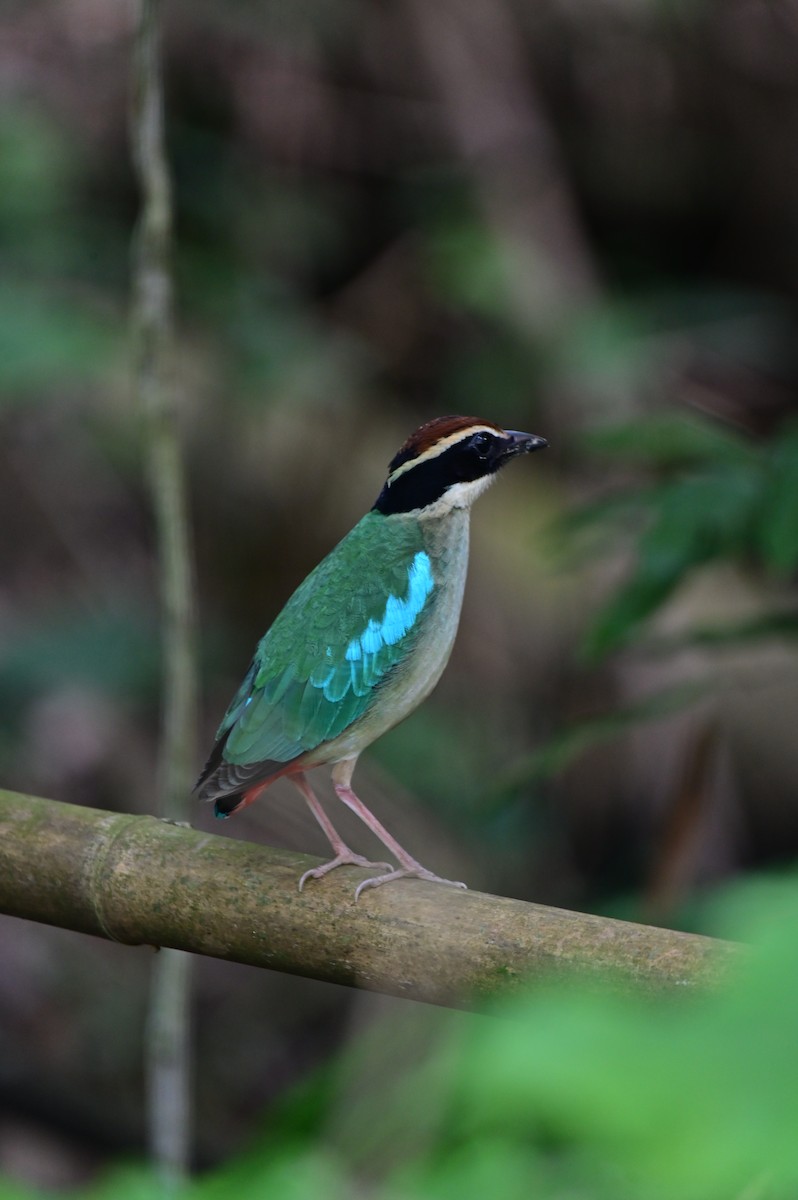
column 480, row 442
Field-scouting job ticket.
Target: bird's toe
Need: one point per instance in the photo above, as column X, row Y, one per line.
column 348, row 859
column 416, row 872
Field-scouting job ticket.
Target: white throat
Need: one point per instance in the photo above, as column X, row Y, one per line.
column 459, row 495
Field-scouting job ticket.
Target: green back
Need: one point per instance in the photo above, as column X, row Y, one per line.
column 354, row 618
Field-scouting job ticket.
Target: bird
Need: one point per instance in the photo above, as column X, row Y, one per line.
column 364, row 639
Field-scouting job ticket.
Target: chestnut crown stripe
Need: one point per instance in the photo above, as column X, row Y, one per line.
column 438, row 446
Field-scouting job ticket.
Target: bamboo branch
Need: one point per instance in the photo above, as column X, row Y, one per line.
column 140, row 880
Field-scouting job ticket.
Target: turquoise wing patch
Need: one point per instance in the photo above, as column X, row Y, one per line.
column 399, row 617
column 346, row 627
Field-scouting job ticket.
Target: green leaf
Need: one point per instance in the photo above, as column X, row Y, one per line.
column 14, row 1191
column 697, row 518
column 295, row 1172
column 671, row 440
column 773, row 625
column 778, row 529
column 118, row 652
column 129, row 1182
column 466, row 264
column 565, row 747
column 695, row 1100
column 49, row 338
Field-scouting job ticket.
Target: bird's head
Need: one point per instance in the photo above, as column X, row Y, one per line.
column 447, row 463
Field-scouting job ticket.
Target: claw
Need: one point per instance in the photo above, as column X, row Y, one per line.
column 405, row 873
column 345, row 859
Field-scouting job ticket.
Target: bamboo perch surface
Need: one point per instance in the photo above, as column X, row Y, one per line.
column 137, row 879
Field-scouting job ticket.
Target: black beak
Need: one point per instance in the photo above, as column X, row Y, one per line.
column 523, row 443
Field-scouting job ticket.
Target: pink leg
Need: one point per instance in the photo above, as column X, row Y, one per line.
column 342, row 775
column 343, row 855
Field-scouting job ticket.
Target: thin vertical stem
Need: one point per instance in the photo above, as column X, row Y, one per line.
column 168, row 1032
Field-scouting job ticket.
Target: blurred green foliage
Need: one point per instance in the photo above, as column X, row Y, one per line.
column 594, row 222
column 117, row 652
column 559, row 1093
column 54, row 330
column 562, row 748
column 710, row 494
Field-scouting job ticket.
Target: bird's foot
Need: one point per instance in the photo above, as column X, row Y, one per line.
column 414, row 872
column 347, row 858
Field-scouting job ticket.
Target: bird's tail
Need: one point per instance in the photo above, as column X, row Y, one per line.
column 233, row 802
column 232, row 786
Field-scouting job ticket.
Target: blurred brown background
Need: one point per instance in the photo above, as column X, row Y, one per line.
column 558, row 216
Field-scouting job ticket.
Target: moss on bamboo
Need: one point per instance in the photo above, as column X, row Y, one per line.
column 140, row 880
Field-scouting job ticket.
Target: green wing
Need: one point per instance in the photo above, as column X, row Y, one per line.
column 316, row 670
